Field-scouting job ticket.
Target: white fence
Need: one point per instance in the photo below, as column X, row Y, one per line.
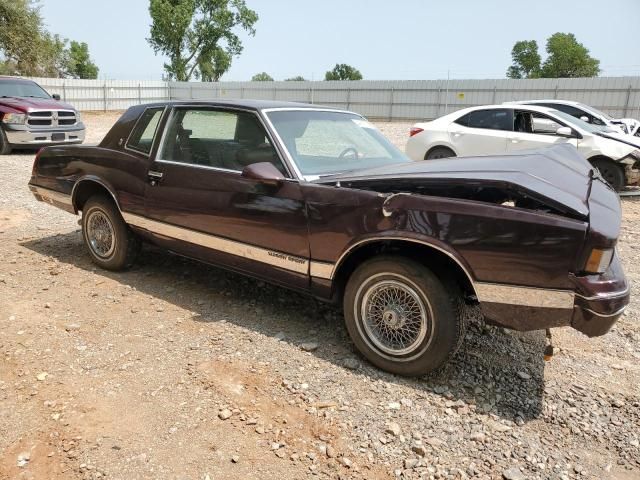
column 386, row 100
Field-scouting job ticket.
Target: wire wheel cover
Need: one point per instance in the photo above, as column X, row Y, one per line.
column 100, row 234
column 394, row 316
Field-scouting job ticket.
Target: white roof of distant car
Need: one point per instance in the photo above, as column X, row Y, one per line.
column 533, row 108
column 551, row 100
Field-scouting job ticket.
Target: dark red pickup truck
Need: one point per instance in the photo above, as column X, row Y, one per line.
column 31, row 118
column 317, row 200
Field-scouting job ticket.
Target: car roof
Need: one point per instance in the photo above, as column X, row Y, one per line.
column 551, row 100
column 14, row 79
column 533, row 108
column 249, row 104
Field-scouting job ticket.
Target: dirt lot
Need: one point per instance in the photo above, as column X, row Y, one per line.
column 176, row 370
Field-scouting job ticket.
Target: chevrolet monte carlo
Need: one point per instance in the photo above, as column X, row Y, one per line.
column 317, row 200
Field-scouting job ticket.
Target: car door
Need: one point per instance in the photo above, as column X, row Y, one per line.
column 482, row 132
column 199, row 204
column 536, row 130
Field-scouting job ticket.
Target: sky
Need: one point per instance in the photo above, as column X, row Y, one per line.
column 384, row 39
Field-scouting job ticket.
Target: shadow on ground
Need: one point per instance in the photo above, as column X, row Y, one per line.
column 492, row 369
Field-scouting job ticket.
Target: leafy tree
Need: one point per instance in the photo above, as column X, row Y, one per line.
column 199, row 36
column 568, row 58
column 526, row 60
column 20, row 36
column 262, row 77
column 78, row 62
column 27, row 48
column 212, row 68
column 298, row 78
column 342, row 71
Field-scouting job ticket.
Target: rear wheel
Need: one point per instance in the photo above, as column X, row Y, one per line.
column 439, row 152
column 401, row 317
column 612, row 173
column 109, row 241
column 5, row 146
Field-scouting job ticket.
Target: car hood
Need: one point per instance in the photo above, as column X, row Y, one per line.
column 558, row 174
column 630, row 140
column 27, row 104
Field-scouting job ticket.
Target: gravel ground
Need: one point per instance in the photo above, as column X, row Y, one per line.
column 177, row 370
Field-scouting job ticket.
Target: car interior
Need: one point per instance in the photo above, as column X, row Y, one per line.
column 205, row 146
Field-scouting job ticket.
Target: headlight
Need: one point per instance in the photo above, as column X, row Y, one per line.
column 599, row 260
column 78, row 117
column 14, row 118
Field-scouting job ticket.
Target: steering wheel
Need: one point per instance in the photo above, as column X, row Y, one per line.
column 348, row 150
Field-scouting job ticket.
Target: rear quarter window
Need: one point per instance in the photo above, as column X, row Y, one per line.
column 141, row 138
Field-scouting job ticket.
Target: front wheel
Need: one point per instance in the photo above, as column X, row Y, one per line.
column 401, row 317
column 109, row 241
column 611, row 172
column 5, row 146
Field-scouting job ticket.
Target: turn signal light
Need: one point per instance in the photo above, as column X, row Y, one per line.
column 415, row 131
column 599, row 260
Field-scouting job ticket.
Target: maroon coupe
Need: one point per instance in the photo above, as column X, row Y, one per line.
column 317, row 200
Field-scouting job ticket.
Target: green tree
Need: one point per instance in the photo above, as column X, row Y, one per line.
column 27, row 48
column 298, row 78
column 262, row 77
column 568, row 58
column 213, row 67
column 78, row 62
column 342, row 71
column 20, row 36
column 526, row 60
column 195, row 34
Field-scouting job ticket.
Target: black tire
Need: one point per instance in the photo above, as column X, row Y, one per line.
column 612, row 173
column 102, row 226
column 443, row 323
column 439, row 152
column 5, row 146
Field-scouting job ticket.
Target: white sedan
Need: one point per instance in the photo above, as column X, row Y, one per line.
column 501, row 129
column 630, row 126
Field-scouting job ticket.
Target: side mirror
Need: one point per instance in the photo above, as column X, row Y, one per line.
column 564, row 132
column 56, row 96
column 263, row 172
column 584, row 118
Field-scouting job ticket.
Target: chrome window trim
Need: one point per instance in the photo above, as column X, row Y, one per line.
column 225, row 108
column 525, row 296
column 233, row 247
column 195, row 165
column 155, row 132
column 289, row 157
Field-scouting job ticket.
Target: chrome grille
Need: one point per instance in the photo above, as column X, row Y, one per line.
column 51, row 118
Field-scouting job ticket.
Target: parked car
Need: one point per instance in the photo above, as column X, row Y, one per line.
column 317, row 200
column 31, row 118
column 500, row 129
column 588, row 114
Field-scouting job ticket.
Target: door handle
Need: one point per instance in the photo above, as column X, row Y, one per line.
column 515, row 140
column 154, row 176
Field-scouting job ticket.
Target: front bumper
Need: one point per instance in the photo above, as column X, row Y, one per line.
column 31, row 137
column 592, row 307
column 600, row 300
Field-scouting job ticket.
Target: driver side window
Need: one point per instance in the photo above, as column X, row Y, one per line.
column 221, row 139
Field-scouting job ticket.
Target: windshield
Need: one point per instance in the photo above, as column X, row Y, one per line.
column 589, row 127
column 595, row 110
column 325, row 143
column 20, row 88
